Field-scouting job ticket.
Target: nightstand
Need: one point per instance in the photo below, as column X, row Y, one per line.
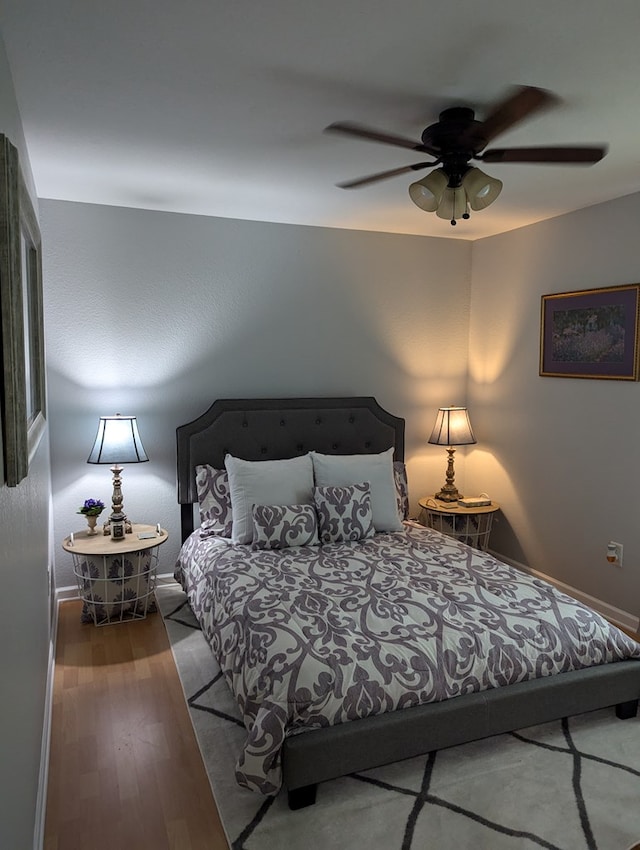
column 469, row 525
column 116, row 578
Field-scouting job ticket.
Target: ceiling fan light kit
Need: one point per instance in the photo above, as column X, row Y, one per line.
column 453, row 204
column 435, row 193
column 458, row 137
column 426, row 193
column 481, row 189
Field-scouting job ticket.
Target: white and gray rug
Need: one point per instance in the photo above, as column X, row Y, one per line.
column 570, row 785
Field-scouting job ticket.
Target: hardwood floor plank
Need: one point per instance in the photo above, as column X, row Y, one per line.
column 125, row 769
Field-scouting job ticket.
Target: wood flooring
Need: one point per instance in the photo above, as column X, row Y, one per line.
column 125, row 770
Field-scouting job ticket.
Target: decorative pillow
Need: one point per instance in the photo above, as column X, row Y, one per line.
column 214, row 498
column 281, row 526
column 376, row 469
column 266, row 482
column 402, row 488
column 344, row 513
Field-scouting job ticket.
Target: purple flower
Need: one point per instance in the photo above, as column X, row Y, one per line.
column 91, row 507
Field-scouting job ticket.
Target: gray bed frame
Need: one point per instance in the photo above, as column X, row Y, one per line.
column 270, row 429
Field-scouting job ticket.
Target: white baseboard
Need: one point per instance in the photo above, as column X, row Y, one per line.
column 64, row 593
column 613, row 614
column 45, row 747
column 71, row 591
column 165, row 578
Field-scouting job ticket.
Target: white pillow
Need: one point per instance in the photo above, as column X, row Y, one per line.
column 266, row 482
column 376, row 470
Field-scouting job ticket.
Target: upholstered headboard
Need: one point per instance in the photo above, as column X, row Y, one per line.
column 272, row 429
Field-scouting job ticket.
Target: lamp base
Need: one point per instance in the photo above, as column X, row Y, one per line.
column 117, row 517
column 449, row 494
column 106, row 529
column 449, row 491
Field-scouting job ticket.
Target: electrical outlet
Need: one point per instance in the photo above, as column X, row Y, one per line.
column 614, row 553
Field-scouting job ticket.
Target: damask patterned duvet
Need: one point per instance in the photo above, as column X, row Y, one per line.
column 312, row 636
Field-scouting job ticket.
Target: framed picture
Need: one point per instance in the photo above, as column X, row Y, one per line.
column 591, row 334
column 21, row 320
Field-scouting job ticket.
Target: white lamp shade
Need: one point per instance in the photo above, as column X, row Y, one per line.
column 117, row 441
column 453, row 204
column 481, row 189
column 452, row 428
column 426, row 193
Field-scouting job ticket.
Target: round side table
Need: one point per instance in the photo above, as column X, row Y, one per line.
column 469, row 525
column 116, row 578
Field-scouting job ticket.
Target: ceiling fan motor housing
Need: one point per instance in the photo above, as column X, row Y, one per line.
column 447, row 138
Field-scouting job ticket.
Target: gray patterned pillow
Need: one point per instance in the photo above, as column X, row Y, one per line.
column 402, row 488
column 214, row 499
column 375, row 469
column 281, row 526
column 344, row 513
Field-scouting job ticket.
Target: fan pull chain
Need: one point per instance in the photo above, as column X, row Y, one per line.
column 466, row 215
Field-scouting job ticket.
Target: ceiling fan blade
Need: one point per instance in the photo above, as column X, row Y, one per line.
column 383, row 175
column 350, row 128
column 518, row 105
column 576, row 155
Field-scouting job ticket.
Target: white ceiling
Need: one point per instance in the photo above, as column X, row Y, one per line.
column 216, row 107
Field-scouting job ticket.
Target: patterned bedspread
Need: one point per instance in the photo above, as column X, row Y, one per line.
column 319, row 635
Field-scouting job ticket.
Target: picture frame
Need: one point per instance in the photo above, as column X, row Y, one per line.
column 591, row 333
column 21, row 321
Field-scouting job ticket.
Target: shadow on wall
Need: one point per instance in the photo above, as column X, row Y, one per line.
column 504, row 540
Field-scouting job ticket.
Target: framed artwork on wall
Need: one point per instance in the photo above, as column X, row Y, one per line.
column 591, row 333
column 21, row 320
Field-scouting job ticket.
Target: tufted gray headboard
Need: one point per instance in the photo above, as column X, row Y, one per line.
column 276, row 428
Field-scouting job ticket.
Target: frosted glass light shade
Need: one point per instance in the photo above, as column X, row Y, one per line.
column 453, row 204
column 452, row 428
column 426, row 193
column 117, row 441
column 481, row 189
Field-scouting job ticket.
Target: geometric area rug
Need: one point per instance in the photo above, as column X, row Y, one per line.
column 572, row 784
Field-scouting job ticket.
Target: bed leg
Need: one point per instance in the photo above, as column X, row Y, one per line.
column 300, row 798
column 626, row 710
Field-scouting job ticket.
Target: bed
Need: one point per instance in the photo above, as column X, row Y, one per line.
column 348, row 705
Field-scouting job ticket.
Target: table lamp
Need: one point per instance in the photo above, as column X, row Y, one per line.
column 452, row 429
column 117, row 441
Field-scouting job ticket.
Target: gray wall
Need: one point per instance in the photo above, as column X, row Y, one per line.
column 560, row 454
column 157, row 315
column 24, row 602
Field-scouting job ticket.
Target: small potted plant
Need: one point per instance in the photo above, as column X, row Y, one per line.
column 92, row 509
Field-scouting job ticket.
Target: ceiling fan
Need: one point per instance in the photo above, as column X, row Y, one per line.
column 456, row 139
